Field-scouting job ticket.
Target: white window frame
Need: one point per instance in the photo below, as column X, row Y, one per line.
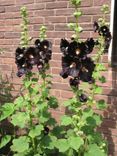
column 111, row 29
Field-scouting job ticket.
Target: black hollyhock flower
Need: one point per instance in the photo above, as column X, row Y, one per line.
column 45, row 50
column 31, row 55
column 37, row 43
column 80, row 50
column 66, row 61
column 46, row 130
column 87, row 70
column 21, row 72
column 74, row 49
column 64, row 44
column 74, row 82
column 69, row 68
column 95, row 26
column 107, row 41
column 103, row 30
column 89, row 45
column 19, row 56
column 46, row 45
column 24, row 69
column 65, row 72
column 73, row 71
column 83, row 98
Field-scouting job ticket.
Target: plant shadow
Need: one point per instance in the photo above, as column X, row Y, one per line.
column 5, row 96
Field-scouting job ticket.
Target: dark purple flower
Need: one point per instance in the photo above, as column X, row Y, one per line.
column 107, row 41
column 37, row 43
column 24, row 70
column 31, row 55
column 64, row 44
column 46, row 130
column 87, row 70
column 73, row 71
column 74, row 49
column 65, row 72
column 45, row 50
column 83, row 98
column 74, row 82
column 103, row 30
column 89, row 45
column 19, row 56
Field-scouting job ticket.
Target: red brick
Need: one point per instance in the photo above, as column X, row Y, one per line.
column 7, row 2
column 24, row 2
column 64, row 12
column 55, row 19
column 44, row 13
column 9, row 35
column 101, row 2
column 56, row 5
column 55, row 34
column 40, row 1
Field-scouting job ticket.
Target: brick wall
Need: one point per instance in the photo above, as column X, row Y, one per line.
column 55, row 14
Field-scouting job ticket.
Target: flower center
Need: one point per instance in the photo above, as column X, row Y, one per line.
column 77, row 51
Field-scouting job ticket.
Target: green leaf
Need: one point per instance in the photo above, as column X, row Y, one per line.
column 77, row 14
column 87, row 113
column 66, row 120
column 101, row 104
column 27, row 84
column 62, row 145
column 49, row 142
column 78, row 29
column 100, row 67
column 5, row 139
column 75, row 142
column 34, row 80
column 76, row 2
column 44, row 116
column 98, row 119
column 20, row 119
column 95, row 138
column 19, row 102
column 102, row 79
column 51, row 122
column 53, row 103
column 6, row 110
column 21, row 144
column 105, row 9
column 94, row 150
column 70, row 102
column 71, row 26
column 36, row 131
column 96, row 75
column 91, row 121
column 98, row 90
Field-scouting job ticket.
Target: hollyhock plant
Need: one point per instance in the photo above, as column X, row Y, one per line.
column 83, row 71
column 104, row 31
column 30, row 111
column 28, row 56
